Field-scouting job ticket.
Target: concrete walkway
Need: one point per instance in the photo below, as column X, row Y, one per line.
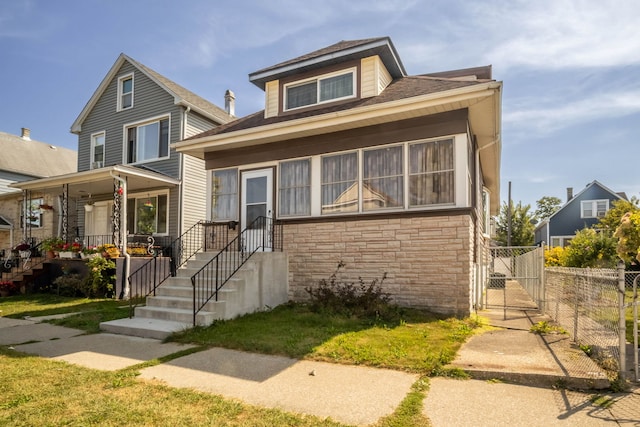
column 518, row 374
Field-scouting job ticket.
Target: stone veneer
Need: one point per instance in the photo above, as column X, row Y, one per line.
column 427, row 258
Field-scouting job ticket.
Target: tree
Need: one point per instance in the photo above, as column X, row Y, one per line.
column 611, row 220
column 546, row 206
column 628, row 234
column 521, row 225
column 591, row 248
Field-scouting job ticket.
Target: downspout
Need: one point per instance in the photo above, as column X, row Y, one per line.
column 123, row 231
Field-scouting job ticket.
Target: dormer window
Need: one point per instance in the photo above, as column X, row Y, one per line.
column 326, row 88
column 125, row 92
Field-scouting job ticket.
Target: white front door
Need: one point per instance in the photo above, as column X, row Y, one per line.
column 257, row 201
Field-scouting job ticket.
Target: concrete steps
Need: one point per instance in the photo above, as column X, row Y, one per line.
column 253, row 287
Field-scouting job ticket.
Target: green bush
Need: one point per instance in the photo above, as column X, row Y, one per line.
column 590, row 248
column 69, row 285
column 101, row 279
column 350, row 298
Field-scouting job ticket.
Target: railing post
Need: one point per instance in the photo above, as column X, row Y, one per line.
column 576, row 303
column 622, row 339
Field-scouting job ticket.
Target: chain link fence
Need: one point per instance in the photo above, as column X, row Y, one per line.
column 587, row 303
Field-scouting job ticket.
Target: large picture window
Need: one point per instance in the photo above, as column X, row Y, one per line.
column 326, row 88
column 148, row 214
column 148, row 141
column 383, row 178
column 224, row 195
column 431, row 173
column 339, row 184
column 295, row 188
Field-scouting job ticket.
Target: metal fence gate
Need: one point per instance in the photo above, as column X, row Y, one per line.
column 515, row 278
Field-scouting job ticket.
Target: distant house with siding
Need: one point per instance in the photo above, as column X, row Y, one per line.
column 580, row 211
column 24, row 159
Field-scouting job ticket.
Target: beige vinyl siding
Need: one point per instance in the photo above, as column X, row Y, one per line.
column 194, row 190
column 195, row 124
column 272, row 98
column 374, row 76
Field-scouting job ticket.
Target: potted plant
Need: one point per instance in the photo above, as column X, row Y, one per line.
column 89, row 252
column 109, row 250
column 52, row 245
column 7, row 288
column 24, row 250
column 66, row 251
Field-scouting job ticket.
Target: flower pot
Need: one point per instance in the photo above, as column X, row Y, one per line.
column 65, row 254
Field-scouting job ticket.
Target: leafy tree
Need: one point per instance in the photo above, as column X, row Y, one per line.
column 611, row 220
column 628, row 234
column 521, row 225
column 546, row 206
column 590, row 248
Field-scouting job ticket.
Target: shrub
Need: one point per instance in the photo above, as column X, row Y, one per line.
column 554, row 257
column 70, row 285
column 101, row 279
column 350, row 298
column 590, row 248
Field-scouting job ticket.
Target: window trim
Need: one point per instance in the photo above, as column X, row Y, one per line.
column 92, row 160
column 143, row 195
column 594, row 207
column 121, row 80
column 352, row 70
column 125, row 142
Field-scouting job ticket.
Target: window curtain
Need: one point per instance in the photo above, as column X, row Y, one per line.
column 336, row 87
column 301, row 95
column 340, row 183
column 383, row 184
column 431, row 169
column 224, row 198
column 295, row 188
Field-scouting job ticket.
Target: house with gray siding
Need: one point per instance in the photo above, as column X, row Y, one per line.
column 25, row 159
column 128, row 180
column 579, row 212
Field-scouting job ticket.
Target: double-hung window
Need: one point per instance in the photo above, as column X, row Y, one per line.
column 339, row 183
column 431, row 173
column 97, row 150
column 295, row 188
column 594, row 208
column 148, row 214
column 330, row 87
column 383, row 178
column 148, row 141
column 125, row 92
column 224, row 195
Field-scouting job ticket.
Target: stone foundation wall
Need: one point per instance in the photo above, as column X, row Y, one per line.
column 427, row 258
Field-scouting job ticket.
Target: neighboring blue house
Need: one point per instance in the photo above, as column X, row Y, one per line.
column 581, row 211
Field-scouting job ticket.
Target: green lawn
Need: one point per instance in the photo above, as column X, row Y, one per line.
column 36, row 391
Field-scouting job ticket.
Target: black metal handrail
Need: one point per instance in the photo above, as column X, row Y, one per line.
column 17, row 264
column 263, row 233
column 149, row 276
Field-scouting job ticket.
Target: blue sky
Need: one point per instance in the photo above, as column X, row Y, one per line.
column 571, row 69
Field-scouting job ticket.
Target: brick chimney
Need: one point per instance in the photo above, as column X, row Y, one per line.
column 569, row 193
column 230, row 103
column 26, row 134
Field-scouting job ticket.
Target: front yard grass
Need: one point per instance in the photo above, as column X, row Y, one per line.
column 44, row 392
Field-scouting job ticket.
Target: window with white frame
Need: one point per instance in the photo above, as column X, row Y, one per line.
column 97, row 150
column 34, row 213
column 383, row 178
column 339, row 183
column 148, row 141
column 148, row 214
column 224, row 195
column 326, row 88
column 431, row 173
column 294, row 188
column 594, row 208
column 125, row 92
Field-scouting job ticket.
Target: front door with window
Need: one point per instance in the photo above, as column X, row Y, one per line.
column 257, row 201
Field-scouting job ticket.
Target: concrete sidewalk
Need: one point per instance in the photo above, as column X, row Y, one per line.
column 517, row 377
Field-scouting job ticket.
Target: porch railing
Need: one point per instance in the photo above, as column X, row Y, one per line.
column 15, row 264
column 149, row 276
column 263, row 233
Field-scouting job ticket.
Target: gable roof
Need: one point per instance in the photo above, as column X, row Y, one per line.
column 33, row 158
column 181, row 95
column 339, row 52
column 576, row 197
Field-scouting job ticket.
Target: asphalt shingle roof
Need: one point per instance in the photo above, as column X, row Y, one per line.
column 34, row 158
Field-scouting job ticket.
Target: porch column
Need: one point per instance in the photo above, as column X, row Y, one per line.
column 116, row 212
column 65, row 212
